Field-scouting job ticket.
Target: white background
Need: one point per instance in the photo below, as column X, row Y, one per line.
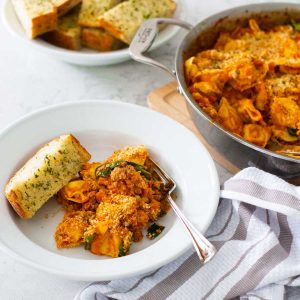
column 30, row 80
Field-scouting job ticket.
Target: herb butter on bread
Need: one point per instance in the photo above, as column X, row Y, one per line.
column 91, row 10
column 43, row 175
column 123, row 20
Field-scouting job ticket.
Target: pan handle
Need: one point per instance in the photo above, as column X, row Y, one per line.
column 145, row 37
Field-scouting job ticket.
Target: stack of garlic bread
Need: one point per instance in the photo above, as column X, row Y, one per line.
column 103, row 25
column 42, row 176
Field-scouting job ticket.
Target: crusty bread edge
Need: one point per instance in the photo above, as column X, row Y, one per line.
column 66, row 7
column 63, row 39
column 89, row 24
column 13, row 199
column 112, row 30
column 36, row 25
column 84, row 154
column 102, row 42
column 44, row 23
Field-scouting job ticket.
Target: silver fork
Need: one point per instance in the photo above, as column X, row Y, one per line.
column 204, row 248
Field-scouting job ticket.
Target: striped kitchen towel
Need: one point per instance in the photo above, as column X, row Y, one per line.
column 256, row 231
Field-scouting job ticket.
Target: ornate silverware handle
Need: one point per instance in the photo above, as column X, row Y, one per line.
column 204, row 248
column 145, row 37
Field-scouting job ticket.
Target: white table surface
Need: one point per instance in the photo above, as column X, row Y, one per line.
column 30, row 80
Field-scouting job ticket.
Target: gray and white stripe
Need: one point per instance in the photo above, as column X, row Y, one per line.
column 257, row 233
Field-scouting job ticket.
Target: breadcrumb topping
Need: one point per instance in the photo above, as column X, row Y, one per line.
column 110, row 203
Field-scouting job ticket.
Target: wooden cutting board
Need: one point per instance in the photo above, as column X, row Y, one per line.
column 168, row 101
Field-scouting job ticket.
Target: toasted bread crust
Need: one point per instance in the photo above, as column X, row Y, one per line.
column 40, row 17
column 112, row 30
column 84, row 154
column 14, row 201
column 35, row 18
column 100, row 40
column 43, row 24
column 63, row 39
column 63, row 6
column 68, row 32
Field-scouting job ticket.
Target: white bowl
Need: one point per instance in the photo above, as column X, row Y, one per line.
column 86, row 57
column 103, row 127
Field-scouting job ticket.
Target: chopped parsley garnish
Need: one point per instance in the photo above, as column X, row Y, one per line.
column 295, row 25
column 121, row 250
column 154, row 231
column 88, row 241
column 292, row 131
column 161, row 213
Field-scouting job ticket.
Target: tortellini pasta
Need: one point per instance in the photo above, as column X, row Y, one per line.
column 250, row 83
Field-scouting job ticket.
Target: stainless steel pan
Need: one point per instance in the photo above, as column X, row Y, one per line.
column 202, row 36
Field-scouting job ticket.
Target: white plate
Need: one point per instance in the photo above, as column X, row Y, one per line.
column 102, row 127
column 85, row 57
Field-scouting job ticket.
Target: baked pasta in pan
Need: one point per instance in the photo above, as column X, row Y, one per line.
column 249, row 82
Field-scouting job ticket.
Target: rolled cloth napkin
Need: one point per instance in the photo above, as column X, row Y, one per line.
column 256, row 231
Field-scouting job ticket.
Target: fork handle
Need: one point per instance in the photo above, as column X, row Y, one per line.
column 204, row 248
